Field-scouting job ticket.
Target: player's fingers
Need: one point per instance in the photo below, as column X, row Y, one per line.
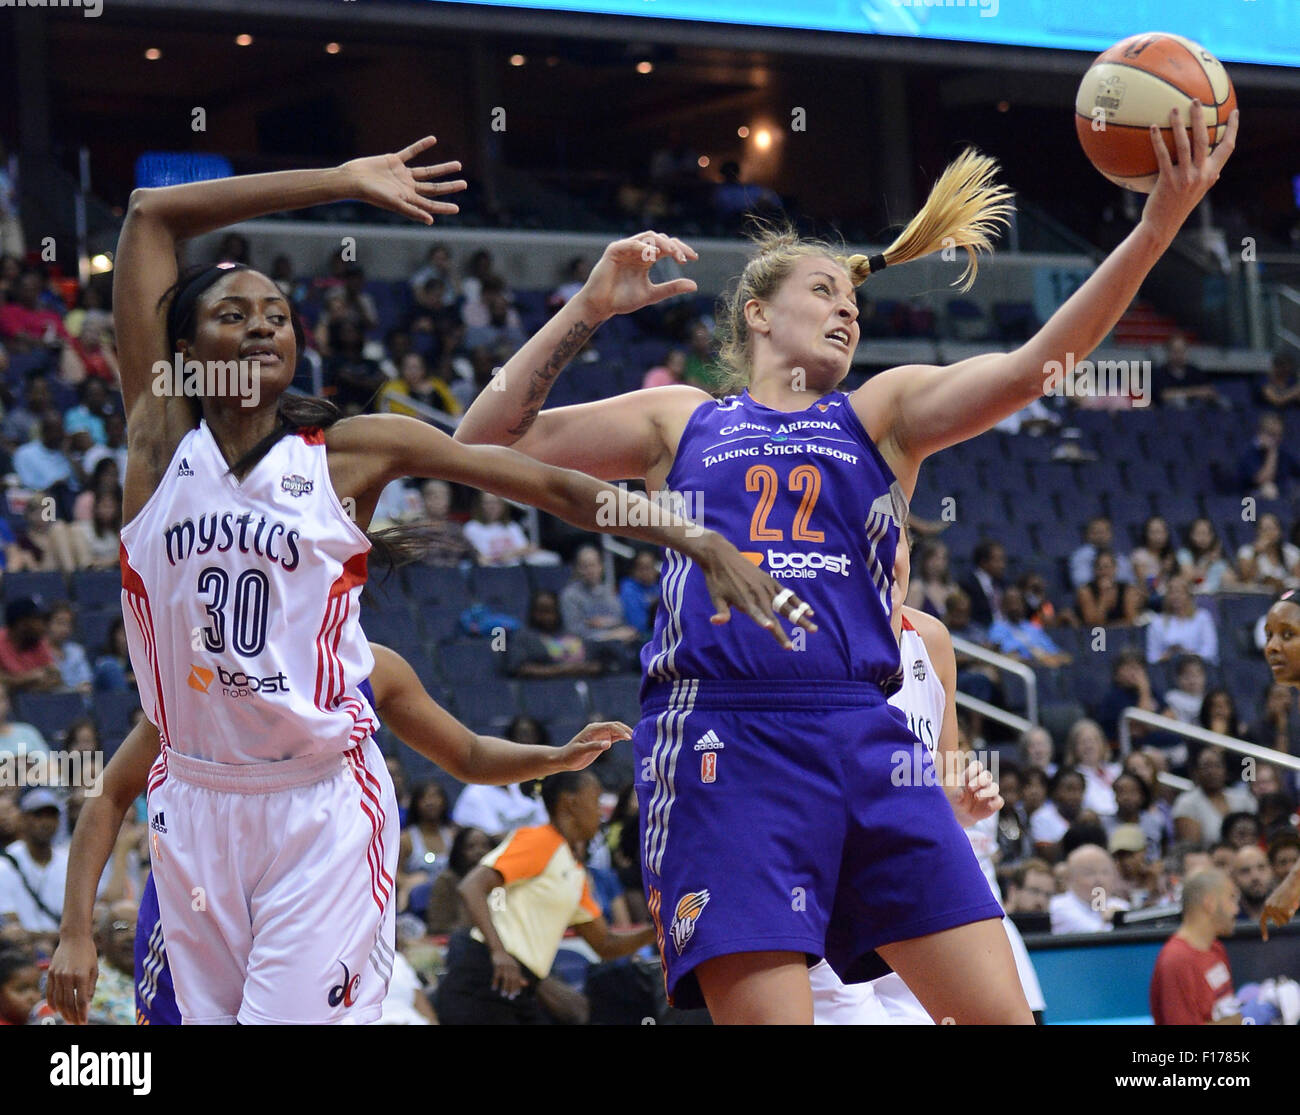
column 671, row 288
column 683, row 251
column 1163, row 161
column 1263, row 924
column 764, row 619
column 1228, row 143
column 786, row 603
column 436, row 170
column 1182, row 144
column 409, row 153
column 1200, row 137
column 435, row 189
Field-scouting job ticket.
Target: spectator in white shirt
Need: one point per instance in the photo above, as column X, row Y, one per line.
column 1090, row 901
column 1086, row 750
column 499, row 540
column 1182, row 628
column 499, row 809
column 1052, row 819
column 1036, row 750
column 1198, row 813
column 32, row 870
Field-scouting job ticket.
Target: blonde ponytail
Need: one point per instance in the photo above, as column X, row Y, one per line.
column 964, row 210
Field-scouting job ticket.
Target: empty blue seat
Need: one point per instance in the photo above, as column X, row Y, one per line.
column 98, row 588
column 384, row 590
column 550, row 700
column 49, row 713
column 92, row 630
column 396, row 628
column 502, row 588
column 548, row 578
column 469, row 664
column 49, row 587
column 113, row 711
column 437, row 584
column 617, row 697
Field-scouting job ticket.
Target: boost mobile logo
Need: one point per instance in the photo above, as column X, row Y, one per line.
column 784, row 563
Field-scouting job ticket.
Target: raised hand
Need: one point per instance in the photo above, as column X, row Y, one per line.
column 1179, row 189
column 620, row 281
column 386, row 182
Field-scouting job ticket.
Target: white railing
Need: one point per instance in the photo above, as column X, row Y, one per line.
column 1008, row 665
column 992, row 712
column 1200, row 735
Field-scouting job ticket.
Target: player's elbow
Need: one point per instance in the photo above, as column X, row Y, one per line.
column 141, row 204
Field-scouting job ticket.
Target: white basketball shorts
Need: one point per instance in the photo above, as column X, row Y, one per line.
column 275, row 883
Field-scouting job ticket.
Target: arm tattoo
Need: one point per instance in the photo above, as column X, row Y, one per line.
column 539, row 383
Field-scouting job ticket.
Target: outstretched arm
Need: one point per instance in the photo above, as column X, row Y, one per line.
column 157, row 219
column 617, row 438
column 918, row 410
column 370, row 450
column 424, row 726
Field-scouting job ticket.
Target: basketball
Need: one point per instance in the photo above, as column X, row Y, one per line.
column 1133, row 85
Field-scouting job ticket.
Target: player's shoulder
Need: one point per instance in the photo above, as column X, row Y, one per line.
column 671, row 401
column 932, row 631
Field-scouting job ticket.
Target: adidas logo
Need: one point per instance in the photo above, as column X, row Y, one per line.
column 184, row 468
column 709, row 742
column 158, row 823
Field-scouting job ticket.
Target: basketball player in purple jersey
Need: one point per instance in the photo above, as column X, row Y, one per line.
column 770, row 830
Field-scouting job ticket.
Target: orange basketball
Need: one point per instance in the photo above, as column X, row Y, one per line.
column 1133, row 85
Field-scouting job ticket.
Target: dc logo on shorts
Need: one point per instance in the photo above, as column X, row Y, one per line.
column 688, row 911
column 345, row 992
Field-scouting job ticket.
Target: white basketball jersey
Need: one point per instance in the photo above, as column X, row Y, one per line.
column 921, row 697
column 241, row 606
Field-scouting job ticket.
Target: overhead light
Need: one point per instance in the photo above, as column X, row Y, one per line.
column 243, row 40
column 332, row 48
column 101, row 264
column 644, row 67
column 1004, row 106
column 743, row 132
column 153, row 54
column 517, row 60
column 763, row 139
column 702, row 161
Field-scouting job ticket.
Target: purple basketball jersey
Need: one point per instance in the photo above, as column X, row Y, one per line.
column 808, row 497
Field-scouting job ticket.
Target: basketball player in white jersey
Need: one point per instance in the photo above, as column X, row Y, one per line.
column 244, row 552
column 927, row 698
column 410, row 713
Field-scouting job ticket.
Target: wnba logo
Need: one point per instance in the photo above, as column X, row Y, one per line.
column 345, row 992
